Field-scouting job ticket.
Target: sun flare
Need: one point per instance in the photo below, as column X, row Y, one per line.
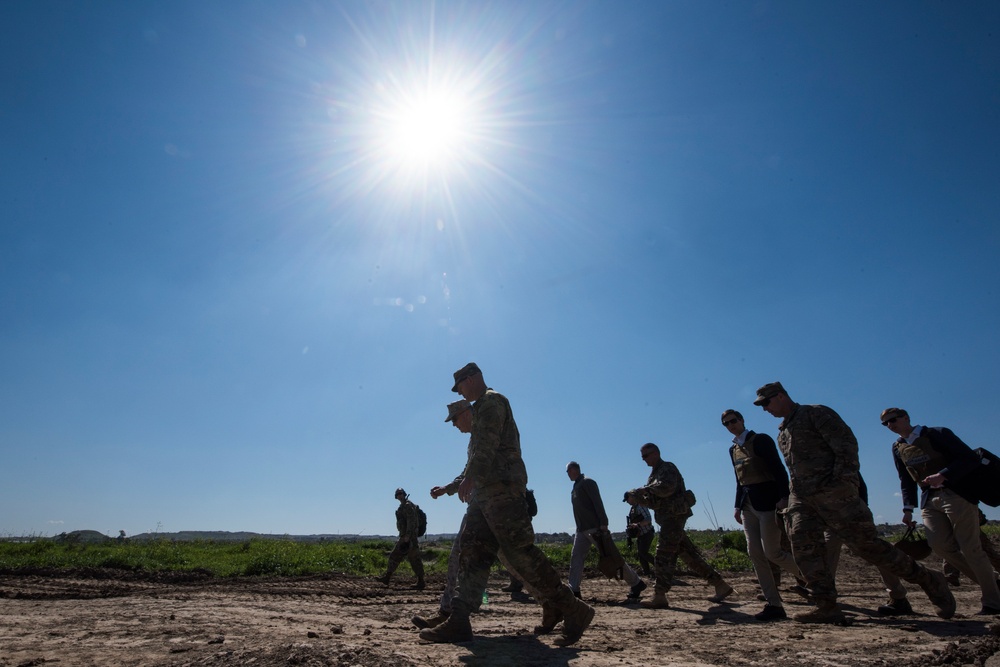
column 430, row 129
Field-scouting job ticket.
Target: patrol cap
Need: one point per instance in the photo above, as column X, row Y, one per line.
column 625, row 499
column 457, row 408
column 889, row 413
column 769, row 390
column 465, row 371
column 400, row 492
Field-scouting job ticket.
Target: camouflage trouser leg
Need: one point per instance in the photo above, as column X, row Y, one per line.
column 674, row 543
column 839, row 508
column 415, row 561
column 497, row 521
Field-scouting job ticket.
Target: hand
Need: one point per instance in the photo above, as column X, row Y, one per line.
column 781, row 504
column 935, row 481
column 738, row 515
column 908, row 519
column 437, row 492
column 465, row 489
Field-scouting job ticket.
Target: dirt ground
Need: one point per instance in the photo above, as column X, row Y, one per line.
column 112, row 619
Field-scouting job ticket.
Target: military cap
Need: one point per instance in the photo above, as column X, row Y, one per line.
column 457, row 408
column 465, row 371
column 889, row 413
column 769, row 390
column 400, row 492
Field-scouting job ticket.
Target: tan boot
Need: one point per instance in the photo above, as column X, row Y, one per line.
column 826, row 612
column 575, row 622
column 658, row 601
column 722, row 591
column 431, row 621
column 936, row 587
column 453, row 631
column 550, row 618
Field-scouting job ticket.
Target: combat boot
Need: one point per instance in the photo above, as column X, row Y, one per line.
column 575, row 622
column 936, row 587
column 551, row 616
column 431, row 621
column 452, row 631
column 420, row 585
column 658, row 601
column 900, row 607
column 383, row 579
column 826, row 612
column 722, row 591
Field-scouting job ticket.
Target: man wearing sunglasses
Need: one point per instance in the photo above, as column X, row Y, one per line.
column 936, row 460
column 761, row 489
column 821, row 453
column 671, row 503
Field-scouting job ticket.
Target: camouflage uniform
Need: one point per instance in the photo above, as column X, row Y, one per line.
column 498, row 519
column 406, row 524
column 666, row 495
column 821, row 453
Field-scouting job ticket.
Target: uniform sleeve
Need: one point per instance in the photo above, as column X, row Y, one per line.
column 739, row 489
column 486, row 431
column 666, row 483
column 840, row 438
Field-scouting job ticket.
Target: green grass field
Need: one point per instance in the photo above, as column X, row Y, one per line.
column 277, row 557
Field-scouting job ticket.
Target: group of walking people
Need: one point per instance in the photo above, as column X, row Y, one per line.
column 815, row 505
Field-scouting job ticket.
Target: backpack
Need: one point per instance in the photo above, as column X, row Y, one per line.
column 421, row 522
column 984, row 481
column 529, row 497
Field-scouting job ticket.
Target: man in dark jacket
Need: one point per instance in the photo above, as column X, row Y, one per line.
column 591, row 519
column 937, row 461
column 761, row 489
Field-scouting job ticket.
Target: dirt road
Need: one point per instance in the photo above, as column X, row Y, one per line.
column 112, row 619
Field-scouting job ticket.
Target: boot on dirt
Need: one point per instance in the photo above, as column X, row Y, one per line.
column 658, row 601
column 550, row 618
column 936, row 587
column 431, row 621
column 900, row 607
column 722, row 591
column 420, row 585
column 826, row 612
column 452, row 631
column 383, row 579
column 514, row 586
column 575, row 622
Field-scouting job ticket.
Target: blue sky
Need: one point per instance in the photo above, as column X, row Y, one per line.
column 231, row 302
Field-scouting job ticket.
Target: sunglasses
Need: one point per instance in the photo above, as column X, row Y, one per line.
column 646, row 455
column 766, row 402
column 891, row 420
column 728, row 422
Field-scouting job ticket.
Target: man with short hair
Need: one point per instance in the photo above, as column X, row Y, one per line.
column 460, row 415
column 498, row 521
column 591, row 519
column 761, row 490
column 407, row 546
column 821, row 453
column 937, row 461
column 671, row 503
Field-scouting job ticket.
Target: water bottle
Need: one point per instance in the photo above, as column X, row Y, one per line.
column 486, row 598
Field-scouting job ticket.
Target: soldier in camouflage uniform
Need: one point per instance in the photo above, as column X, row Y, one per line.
column 407, row 546
column 671, row 503
column 821, row 453
column 498, row 521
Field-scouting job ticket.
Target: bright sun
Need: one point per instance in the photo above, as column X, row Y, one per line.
column 429, row 129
